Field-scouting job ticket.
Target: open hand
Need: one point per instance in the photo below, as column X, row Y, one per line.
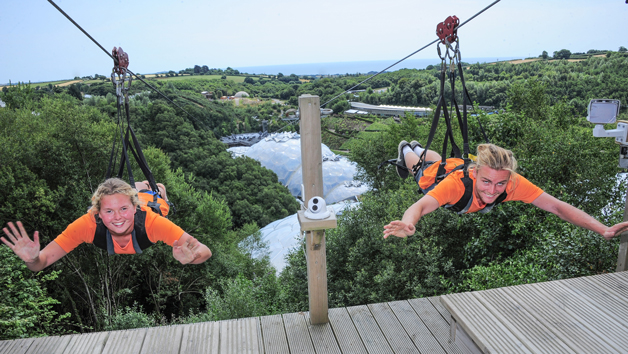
column 399, row 228
column 615, row 230
column 187, row 251
column 20, row 243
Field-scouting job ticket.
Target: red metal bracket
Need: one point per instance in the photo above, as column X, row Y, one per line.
column 122, row 61
column 447, row 30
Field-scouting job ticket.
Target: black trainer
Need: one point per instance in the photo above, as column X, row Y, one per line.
column 401, row 161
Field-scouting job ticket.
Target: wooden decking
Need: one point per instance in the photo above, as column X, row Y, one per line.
column 580, row 315
column 413, row 326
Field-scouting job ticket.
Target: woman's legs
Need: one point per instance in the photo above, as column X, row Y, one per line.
column 412, row 157
column 145, row 185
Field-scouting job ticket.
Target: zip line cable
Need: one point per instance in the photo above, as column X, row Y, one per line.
column 323, row 105
column 408, row 56
column 116, row 62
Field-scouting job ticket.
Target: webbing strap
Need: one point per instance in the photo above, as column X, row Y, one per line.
column 135, row 148
column 467, row 97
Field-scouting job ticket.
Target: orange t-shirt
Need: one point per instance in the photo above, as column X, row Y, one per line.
column 451, row 189
column 82, row 230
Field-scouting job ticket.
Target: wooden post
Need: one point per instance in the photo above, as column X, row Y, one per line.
column 622, row 258
column 312, row 167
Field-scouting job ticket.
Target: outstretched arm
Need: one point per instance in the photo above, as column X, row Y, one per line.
column 189, row 250
column 20, row 243
column 571, row 214
column 405, row 226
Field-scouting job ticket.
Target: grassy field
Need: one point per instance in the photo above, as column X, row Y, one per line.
column 237, row 79
column 42, row 84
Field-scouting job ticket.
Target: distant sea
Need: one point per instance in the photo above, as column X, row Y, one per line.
column 353, row 67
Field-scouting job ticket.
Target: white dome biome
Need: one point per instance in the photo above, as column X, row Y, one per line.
column 281, row 153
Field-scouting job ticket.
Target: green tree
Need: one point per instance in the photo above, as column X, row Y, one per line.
column 562, row 54
column 17, row 96
column 26, row 309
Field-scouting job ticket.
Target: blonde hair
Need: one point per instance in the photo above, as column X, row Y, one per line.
column 113, row 186
column 497, row 158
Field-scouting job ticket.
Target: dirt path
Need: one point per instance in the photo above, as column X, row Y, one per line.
column 69, row 83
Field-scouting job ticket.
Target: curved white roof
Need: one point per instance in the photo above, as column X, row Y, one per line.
column 281, row 153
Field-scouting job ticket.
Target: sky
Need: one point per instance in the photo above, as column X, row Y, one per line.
column 40, row 44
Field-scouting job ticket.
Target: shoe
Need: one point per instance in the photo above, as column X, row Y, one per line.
column 401, row 161
column 414, row 144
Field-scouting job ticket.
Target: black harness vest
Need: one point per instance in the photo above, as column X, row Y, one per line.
column 139, row 237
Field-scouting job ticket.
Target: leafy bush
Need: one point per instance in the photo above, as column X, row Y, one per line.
column 240, row 298
column 128, row 318
column 26, row 309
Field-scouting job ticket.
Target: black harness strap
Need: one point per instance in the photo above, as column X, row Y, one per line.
column 465, row 202
column 121, row 63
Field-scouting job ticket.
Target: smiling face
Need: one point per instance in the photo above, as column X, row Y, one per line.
column 117, row 213
column 490, row 183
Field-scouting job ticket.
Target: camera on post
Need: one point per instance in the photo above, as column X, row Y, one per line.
column 605, row 111
column 317, row 208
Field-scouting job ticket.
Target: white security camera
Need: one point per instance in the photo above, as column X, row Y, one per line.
column 317, row 209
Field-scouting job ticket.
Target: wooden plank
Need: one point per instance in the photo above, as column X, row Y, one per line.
column 312, row 172
column 435, row 301
column 393, row 331
column 237, row 336
column 485, row 329
column 297, row 333
column 369, row 331
column 17, row 346
column 347, row 335
column 260, row 339
column 274, row 335
column 129, row 341
column 435, row 323
column 48, row 345
column 316, row 259
column 607, row 302
column 525, row 326
column 603, row 292
column 462, row 339
column 201, row 338
column 322, row 337
column 555, row 318
column 622, row 256
column 87, row 343
column 600, row 323
column 162, row 340
column 416, row 329
column 615, row 282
